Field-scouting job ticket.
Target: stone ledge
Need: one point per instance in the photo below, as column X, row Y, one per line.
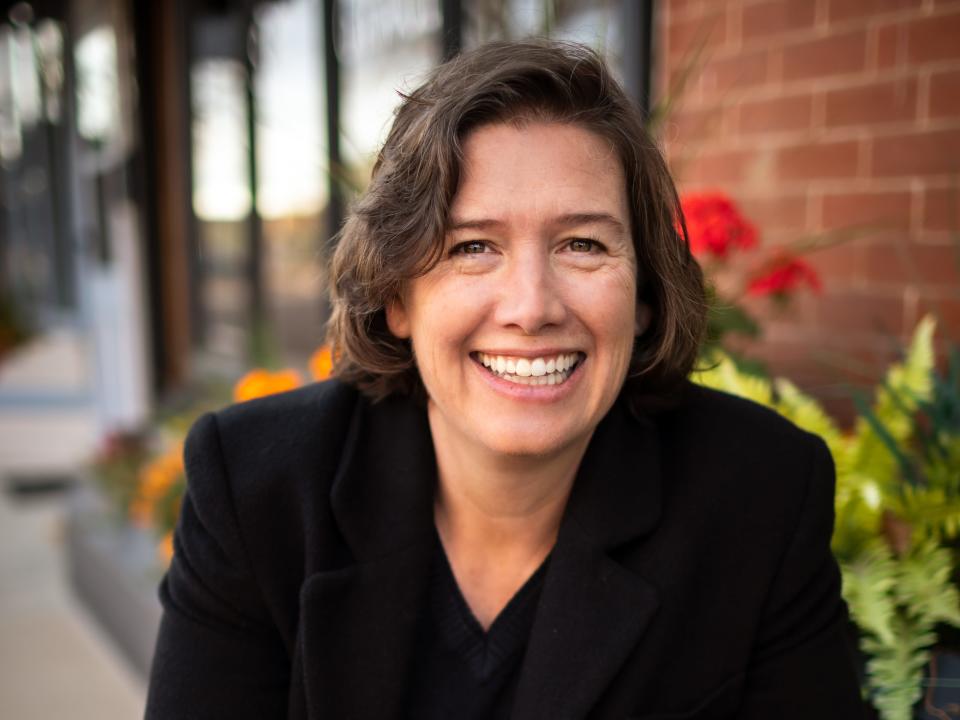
column 114, row 571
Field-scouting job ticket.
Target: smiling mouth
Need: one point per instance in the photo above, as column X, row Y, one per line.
column 546, row 370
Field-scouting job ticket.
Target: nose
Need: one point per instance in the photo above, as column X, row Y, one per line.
column 530, row 293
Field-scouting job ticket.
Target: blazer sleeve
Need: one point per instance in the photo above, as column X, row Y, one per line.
column 803, row 664
column 217, row 653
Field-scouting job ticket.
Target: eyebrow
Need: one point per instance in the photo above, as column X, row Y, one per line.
column 565, row 220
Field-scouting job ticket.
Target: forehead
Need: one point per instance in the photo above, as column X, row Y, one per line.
column 536, row 169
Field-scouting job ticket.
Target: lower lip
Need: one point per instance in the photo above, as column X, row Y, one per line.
column 535, row 393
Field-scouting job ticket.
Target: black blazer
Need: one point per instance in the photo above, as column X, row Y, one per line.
column 692, row 576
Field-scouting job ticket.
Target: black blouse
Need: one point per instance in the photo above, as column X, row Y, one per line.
column 460, row 670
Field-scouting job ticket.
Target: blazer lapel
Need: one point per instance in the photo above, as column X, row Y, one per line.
column 593, row 611
column 359, row 623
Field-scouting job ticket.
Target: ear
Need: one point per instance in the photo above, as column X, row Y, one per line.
column 642, row 320
column 397, row 319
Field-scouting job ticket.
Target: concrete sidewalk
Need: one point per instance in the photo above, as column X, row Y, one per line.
column 54, row 661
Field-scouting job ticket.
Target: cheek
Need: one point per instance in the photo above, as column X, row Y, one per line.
column 442, row 324
column 616, row 293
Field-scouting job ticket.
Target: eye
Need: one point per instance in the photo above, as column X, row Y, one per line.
column 470, row 247
column 584, row 245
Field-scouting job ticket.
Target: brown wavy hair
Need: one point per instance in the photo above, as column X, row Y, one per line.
column 396, row 230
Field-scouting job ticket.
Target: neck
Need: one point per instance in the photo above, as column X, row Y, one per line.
column 496, row 506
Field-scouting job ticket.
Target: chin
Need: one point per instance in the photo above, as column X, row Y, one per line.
column 528, row 444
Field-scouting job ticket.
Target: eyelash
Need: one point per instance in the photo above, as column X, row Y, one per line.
column 592, row 243
column 461, row 248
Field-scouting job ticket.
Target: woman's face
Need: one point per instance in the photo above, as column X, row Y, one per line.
column 523, row 332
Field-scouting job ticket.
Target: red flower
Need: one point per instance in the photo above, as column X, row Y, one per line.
column 715, row 225
column 784, row 276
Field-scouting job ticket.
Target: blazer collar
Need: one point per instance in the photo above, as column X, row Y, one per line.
column 382, row 494
column 359, row 623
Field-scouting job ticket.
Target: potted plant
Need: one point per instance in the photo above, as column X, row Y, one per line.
column 897, row 512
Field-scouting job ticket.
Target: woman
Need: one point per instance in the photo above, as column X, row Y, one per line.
column 510, row 503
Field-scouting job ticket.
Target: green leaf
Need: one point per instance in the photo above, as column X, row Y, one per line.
column 924, row 586
column 868, row 585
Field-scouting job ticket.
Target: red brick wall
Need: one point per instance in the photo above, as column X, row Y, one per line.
column 827, row 115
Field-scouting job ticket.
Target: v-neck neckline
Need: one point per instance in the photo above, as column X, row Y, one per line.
column 484, row 650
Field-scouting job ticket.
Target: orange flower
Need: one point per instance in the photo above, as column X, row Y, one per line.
column 157, row 476
column 155, row 480
column 165, row 548
column 321, row 363
column 258, row 383
column 141, row 512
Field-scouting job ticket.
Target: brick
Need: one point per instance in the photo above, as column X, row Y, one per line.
column 693, row 123
column 941, row 209
column 779, row 212
column 839, row 265
column 934, row 38
column 685, row 37
column 743, row 70
column 776, row 114
column 891, row 45
column 719, row 167
column 842, row 10
column 764, row 20
column 889, row 210
column 822, row 57
column 944, row 307
column 865, row 312
column 818, row 161
column 917, row 153
column 882, row 102
column 945, row 94
column 908, row 264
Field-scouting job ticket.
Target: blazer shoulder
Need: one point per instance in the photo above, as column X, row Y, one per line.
column 290, row 413
column 729, row 417
column 294, row 437
column 744, row 446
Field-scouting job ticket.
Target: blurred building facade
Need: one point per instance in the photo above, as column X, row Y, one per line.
column 171, row 173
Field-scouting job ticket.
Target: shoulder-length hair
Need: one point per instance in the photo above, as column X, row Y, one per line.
column 396, row 230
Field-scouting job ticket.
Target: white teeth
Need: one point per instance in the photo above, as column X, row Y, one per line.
column 526, row 371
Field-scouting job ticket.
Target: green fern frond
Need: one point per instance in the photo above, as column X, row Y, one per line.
column 914, row 377
column 869, row 456
column 881, row 431
column 930, row 510
column 924, row 586
column 724, row 375
column 942, row 468
column 859, row 507
column 868, row 585
column 806, row 413
column 907, row 384
column 895, row 669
